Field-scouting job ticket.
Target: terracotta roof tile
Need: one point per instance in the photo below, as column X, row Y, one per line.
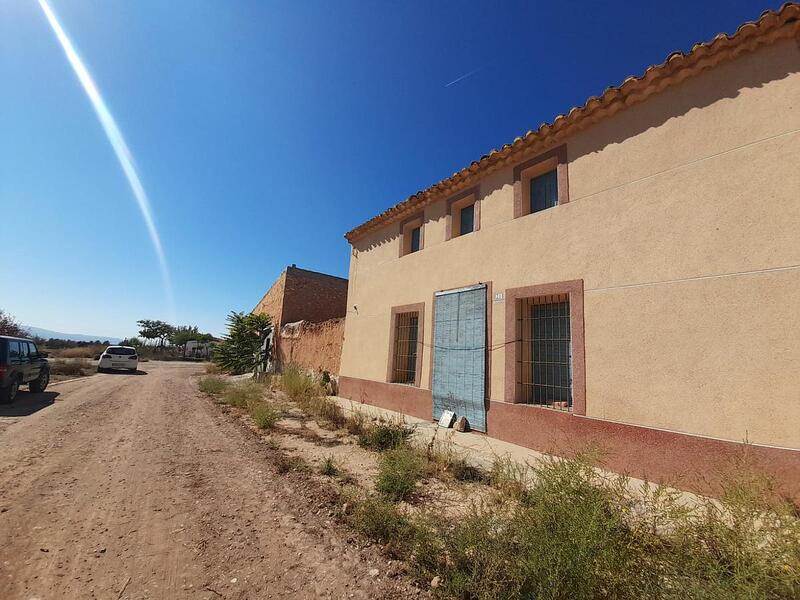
column 770, row 26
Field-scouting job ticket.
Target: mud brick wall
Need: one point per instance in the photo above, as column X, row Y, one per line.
column 313, row 346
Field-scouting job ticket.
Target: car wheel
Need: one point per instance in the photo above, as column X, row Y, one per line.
column 101, row 370
column 40, row 383
column 7, row 394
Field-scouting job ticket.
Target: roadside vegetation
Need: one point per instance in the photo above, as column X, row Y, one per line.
column 78, row 367
column 556, row 530
column 242, row 349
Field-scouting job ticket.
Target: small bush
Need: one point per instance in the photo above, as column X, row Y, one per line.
column 243, row 395
column 380, row 521
column 384, row 435
column 212, row 385
column 399, row 470
column 265, row 414
column 329, row 467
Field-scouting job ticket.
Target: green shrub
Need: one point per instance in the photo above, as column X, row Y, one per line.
column 399, row 470
column 265, row 414
column 380, row 521
column 384, row 435
column 212, row 385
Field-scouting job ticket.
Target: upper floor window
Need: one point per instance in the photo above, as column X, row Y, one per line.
column 411, row 235
column 415, row 233
column 467, row 219
column 541, row 182
column 544, row 191
column 463, row 213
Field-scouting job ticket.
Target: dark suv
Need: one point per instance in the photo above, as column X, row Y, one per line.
column 21, row 363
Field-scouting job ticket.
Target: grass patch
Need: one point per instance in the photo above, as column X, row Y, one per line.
column 464, row 471
column 509, row 477
column 265, row 414
column 73, row 368
column 212, row 385
column 213, row 369
column 356, row 422
column 286, row 463
column 329, row 467
column 298, row 385
column 399, row 470
column 384, row 435
column 578, row 534
column 243, row 395
column 310, row 396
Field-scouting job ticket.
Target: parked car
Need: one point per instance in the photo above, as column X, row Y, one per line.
column 21, row 363
column 118, row 357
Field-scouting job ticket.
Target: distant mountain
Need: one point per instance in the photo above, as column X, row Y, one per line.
column 75, row 337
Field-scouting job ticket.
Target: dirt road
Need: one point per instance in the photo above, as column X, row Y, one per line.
column 136, row 486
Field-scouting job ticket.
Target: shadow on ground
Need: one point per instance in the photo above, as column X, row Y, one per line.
column 27, row 403
column 120, row 372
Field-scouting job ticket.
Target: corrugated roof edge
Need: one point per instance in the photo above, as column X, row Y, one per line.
column 768, row 28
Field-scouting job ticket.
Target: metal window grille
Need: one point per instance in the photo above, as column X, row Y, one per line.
column 545, row 351
column 404, row 369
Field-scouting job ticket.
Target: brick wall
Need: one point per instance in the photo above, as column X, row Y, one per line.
column 314, row 297
column 314, row 346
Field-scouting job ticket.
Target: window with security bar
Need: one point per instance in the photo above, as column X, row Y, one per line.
column 404, row 363
column 545, row 354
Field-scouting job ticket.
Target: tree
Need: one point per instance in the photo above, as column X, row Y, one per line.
column 183, row 334
column 134, row 342
column 9, row 326
column 242, row 349
column 155, row 330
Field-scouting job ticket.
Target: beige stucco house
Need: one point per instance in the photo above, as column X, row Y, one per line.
column 627, row 276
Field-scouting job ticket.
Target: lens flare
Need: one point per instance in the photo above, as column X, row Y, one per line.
column 117, row 142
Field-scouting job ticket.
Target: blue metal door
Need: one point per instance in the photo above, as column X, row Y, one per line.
column 459, row 354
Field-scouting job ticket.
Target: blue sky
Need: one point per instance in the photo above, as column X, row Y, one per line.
column 263, row 131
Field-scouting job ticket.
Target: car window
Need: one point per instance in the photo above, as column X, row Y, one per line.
column 121, row 351
column 33, row 349
column 23, row 350
column 13, row 351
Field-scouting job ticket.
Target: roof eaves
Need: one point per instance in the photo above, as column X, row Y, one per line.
column 769, row 27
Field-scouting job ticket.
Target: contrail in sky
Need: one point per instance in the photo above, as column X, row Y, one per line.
column 464, row 76
column 117, row 143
